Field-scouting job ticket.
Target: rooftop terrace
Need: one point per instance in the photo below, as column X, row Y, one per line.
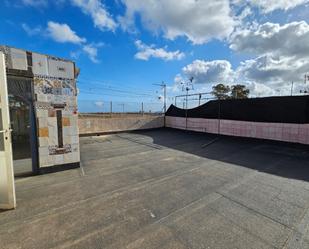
column 167, row 189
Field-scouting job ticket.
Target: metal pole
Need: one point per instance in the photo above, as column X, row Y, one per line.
column 187, row 109
column 219, row 127
column 187, row 98
column 164, row 85
column 219, row 117
column 111, row 108
column 292, row 86
column 142, row 108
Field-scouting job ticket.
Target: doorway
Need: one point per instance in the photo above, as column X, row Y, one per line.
column 22, row 122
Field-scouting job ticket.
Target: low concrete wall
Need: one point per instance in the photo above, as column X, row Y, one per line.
column 92, row 124
column 295, row 133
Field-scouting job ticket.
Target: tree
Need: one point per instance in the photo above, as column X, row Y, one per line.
column 221, row 91
column 239, row 92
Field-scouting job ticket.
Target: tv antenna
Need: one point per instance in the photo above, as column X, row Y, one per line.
column 187, row 86
column 163, row 86
column 306, row 90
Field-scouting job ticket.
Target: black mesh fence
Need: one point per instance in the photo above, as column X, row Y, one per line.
column 288, row 109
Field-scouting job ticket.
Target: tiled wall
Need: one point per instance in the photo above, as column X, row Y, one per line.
column 52, row 95
column 296, row 133
column 55, row 103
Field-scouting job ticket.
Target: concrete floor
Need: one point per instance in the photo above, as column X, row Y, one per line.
column 166, row 189
column 22, row 167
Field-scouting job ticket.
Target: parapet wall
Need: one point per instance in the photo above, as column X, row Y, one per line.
column 295, row 133
column 99, row 125
column 280, row 118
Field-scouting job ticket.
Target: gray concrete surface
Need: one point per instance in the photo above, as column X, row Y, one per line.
column 165, row 189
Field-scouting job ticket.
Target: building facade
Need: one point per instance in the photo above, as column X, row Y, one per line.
column 46, row 85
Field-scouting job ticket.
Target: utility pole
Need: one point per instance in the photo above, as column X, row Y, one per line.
column 306, row 79
column 187, row 86
column 122, row 107
column 292, row 86
column 163, row 85
column 111, row 108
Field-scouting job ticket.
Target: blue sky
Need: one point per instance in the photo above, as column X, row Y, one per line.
column 124, row 46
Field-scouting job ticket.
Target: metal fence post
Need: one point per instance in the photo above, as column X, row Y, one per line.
column 142, row 108
column 111, row 108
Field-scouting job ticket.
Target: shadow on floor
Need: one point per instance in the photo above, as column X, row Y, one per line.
column 278, row 158
column 22, row 168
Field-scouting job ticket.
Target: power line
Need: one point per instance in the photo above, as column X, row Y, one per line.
column 88, row 81
column 118, row 90
column 110, row 94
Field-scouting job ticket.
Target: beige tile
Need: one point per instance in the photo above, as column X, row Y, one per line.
column 52, row 121
column 42, row 113
column 58, row 159
column 43, row 141
column 67, row 139
column 42, row 122
column 43, row 132
column 66, row 121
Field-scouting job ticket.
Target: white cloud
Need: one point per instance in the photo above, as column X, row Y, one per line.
column 290, row 39
column 145, row 52
column 282, row 54
column 31, row 31
column 271, row 5
column 97, row 10
column 199, row 21
column 92, row 51
column 99, row 104
column 273, row 70
column 63, row 33
column 217, row 71
column 75, row 54
column 35, row 3
column 264, row 75
column 260, row 90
